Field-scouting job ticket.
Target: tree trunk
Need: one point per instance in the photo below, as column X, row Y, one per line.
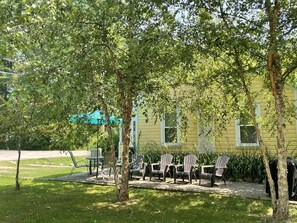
column 126, row 98
column 121, row 184
column 17, row 183
column 118, row 183
column 264, row 152
column 114, row 163
column 281, row 209
column 262, row 146
column 125, row 153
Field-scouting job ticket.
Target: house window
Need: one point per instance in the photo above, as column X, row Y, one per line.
column 169, row 128
column 245, row 131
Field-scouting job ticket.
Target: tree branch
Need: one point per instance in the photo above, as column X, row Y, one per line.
column 289, row 70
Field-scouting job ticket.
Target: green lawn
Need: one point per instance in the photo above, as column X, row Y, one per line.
column 47, row 201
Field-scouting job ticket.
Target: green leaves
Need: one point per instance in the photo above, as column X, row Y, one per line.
column 73, row 54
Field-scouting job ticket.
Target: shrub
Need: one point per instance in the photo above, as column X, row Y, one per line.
column 246, row 166
column 103, row 141
column 151, row 152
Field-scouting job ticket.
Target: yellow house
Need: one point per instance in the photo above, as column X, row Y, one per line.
column 235, row 138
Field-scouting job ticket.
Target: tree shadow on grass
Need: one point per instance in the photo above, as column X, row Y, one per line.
column 49, row 201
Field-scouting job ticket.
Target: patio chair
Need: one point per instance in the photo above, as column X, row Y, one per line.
column 137, row 166
column 96, row 153
column 186, row 169
column 107, row 162
column 217, row 170
column 76, row 164
column 162, row 167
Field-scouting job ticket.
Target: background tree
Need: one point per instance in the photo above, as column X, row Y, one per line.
column 250, row 39
column 84, row 55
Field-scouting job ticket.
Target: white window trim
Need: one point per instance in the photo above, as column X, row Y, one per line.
column 162, row 126
column 237, row 129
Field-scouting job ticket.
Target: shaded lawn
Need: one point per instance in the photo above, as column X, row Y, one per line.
column 47, row 201
column 73, row 202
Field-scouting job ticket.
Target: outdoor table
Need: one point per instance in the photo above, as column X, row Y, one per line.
column 95, row 160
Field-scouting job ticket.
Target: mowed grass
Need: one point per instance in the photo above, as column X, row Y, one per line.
column 40, row 200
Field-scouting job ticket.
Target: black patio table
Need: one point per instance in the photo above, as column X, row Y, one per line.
column 97, row 161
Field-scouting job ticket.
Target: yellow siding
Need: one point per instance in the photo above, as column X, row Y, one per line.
column 189, row 139
column 151, row 132
column 148, row 131
column 226, row 141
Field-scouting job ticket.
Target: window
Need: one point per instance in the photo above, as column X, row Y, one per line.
column 169, row 128
column 245, row 131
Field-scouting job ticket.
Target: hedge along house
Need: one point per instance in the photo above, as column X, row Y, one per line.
column 238, row 135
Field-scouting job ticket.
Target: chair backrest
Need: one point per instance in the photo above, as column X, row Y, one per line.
column 166, row 159
column 73, row 158
column 137, row 161
column 189, row 162
column 94, row 152
column 108, row 160
column 221, row 164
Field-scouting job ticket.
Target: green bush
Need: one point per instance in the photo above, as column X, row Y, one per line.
column 36, row 142
column 151, row 152
column 246, row 166
column 207, row 158
column 103, row 141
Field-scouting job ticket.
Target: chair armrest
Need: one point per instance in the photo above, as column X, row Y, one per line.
column 154, row 164
column 207, row 166
column 203, row 167
column 220, row 168
column 83, row 161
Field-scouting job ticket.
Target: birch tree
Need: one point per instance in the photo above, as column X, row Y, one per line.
column 83, row 55
column 249, row 39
